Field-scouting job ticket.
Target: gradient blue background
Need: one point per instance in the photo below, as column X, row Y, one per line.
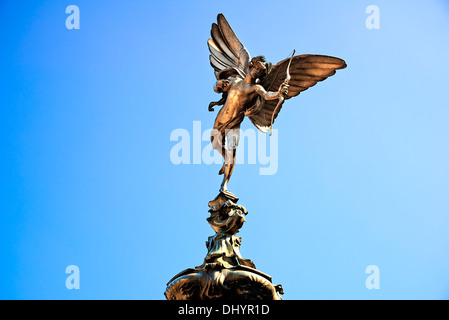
column 86, row 176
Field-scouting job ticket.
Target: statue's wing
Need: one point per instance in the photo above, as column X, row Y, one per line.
column 227, row 53
column 305, row 71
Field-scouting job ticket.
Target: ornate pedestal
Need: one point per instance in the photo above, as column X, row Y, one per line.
column 224, row 274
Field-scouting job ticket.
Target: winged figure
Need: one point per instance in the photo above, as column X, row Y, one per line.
column 254, row 88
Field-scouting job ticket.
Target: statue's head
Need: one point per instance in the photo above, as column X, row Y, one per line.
column 259, row 67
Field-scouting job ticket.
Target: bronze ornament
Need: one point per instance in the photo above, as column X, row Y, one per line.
column 257, row 89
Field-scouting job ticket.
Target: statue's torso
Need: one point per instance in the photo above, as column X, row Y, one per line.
column 240, row 97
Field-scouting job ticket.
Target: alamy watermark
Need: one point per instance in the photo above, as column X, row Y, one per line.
column 73, row 280
column 73, row 20
column 254, row 147
column 373, row 20
column 373, row 280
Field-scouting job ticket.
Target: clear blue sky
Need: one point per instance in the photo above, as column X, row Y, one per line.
column 86, row 176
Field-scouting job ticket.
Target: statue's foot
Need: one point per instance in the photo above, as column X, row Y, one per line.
column 226, row 191
column 222, row 170
column 222, row 197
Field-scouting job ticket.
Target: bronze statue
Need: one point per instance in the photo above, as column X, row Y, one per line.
column 246, row 84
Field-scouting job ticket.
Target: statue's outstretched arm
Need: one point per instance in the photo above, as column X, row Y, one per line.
column 272, row 95
column 218, row 103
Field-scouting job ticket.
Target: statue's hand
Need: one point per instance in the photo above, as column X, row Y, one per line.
column 224, row 83
column 283, row 89
column 221, row 85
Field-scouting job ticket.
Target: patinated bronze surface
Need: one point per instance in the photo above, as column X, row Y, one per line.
column 254, row 88
column 224, row 274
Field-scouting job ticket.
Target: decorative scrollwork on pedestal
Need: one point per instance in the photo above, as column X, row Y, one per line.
column 224, row 274
column 239, row 283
